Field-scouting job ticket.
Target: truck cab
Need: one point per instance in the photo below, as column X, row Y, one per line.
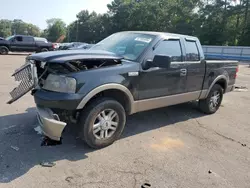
column 24, row 43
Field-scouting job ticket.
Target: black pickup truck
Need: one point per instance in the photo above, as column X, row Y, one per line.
column 23, row 43
column 126, row 73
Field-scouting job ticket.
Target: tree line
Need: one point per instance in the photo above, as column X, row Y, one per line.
column 215, row 22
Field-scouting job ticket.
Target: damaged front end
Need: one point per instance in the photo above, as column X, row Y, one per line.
column 43, row 77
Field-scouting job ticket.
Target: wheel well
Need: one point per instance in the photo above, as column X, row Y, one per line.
column 115, row 94
column 5, row 46
column 222, row 83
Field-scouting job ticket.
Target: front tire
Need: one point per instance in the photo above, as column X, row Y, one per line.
column 4, row 50
column 102, row 122
column 213, row 101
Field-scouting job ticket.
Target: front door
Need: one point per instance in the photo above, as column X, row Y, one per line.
column 161, row 82
column 17, row 44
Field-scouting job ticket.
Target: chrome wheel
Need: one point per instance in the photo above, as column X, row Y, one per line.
column 215, row 100
column 105, row 124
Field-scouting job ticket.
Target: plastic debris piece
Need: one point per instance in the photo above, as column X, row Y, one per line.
column 69, row 179
column 15, row 148
column 38, row 130
column 146, row 185
column 47, row 164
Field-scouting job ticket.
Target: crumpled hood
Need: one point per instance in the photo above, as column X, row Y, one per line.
column 67, row 55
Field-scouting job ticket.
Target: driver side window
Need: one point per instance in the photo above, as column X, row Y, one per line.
column 170, row 48
column 19, row 39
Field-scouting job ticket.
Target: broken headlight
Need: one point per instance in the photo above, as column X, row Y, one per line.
column 60, row 84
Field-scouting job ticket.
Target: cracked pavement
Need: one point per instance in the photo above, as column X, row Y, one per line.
column 170, row 147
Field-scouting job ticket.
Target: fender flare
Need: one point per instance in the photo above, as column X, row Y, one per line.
column 221, row 77
column 105, row 87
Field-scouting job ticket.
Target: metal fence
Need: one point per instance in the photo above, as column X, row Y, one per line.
column 239, row 53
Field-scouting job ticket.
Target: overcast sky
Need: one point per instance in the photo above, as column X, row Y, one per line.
column 37, row 12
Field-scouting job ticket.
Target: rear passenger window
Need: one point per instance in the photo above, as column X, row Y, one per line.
column 170, row 48
column 192, row 53
column 28, row 39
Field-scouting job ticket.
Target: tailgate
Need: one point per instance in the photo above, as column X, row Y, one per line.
column 26, row 78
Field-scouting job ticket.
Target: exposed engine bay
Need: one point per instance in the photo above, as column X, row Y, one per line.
column 43, row 70
column 34, row 73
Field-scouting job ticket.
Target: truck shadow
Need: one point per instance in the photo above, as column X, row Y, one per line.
column 20, row 148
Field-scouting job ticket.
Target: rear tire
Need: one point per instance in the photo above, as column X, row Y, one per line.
column 4, row 50
column 213, row 101
column 44, row 50
column 102, row 122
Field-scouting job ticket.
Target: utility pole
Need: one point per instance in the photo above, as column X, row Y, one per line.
column 77, row 28
column 77, row 22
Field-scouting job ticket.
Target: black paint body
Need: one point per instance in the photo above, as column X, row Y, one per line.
column 151, row 83
column 29, row 45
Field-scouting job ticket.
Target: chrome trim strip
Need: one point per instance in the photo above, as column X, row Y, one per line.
column 104, row 88
column 159, row 102
column 203, row 94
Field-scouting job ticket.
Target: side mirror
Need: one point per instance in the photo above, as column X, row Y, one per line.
column 162, row 61
column 147, row 64
column 158, row 61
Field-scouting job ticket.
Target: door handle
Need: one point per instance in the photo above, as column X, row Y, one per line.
column 183, row 72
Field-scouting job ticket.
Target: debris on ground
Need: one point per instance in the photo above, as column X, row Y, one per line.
column 145, row 185
column 48, row 142
column 15, row 148
column 10, row 127
column 69, row 179
column 38, row 130
column 244, row 145
column 240, row 88
column 47, row 164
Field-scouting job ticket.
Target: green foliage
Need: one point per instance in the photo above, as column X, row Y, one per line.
column 8, row 27
column 56, row 28
column 215, row 22
column 5, row 28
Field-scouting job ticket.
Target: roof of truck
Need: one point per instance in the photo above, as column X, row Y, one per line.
column 163, row 34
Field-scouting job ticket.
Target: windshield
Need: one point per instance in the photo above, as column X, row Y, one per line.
column 128, row 45
column 10, row 37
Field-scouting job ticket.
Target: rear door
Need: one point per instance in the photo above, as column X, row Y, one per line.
column 28, row 44
column 196, row 65
column 159, row 82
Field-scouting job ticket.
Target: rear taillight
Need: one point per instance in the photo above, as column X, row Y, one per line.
column 53, row 46
column 237, row 70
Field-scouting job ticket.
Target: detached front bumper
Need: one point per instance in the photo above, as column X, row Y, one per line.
column 50, row 123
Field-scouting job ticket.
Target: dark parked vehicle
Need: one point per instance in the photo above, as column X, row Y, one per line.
column 23, row 43
column 66, row 46
column 126, row 73
column 82, row 47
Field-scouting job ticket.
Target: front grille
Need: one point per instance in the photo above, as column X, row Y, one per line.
column 25, row 78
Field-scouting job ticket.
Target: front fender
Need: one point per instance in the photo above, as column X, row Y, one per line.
column 105, row 87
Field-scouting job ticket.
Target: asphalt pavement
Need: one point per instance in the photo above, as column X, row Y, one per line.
column 170, row 147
